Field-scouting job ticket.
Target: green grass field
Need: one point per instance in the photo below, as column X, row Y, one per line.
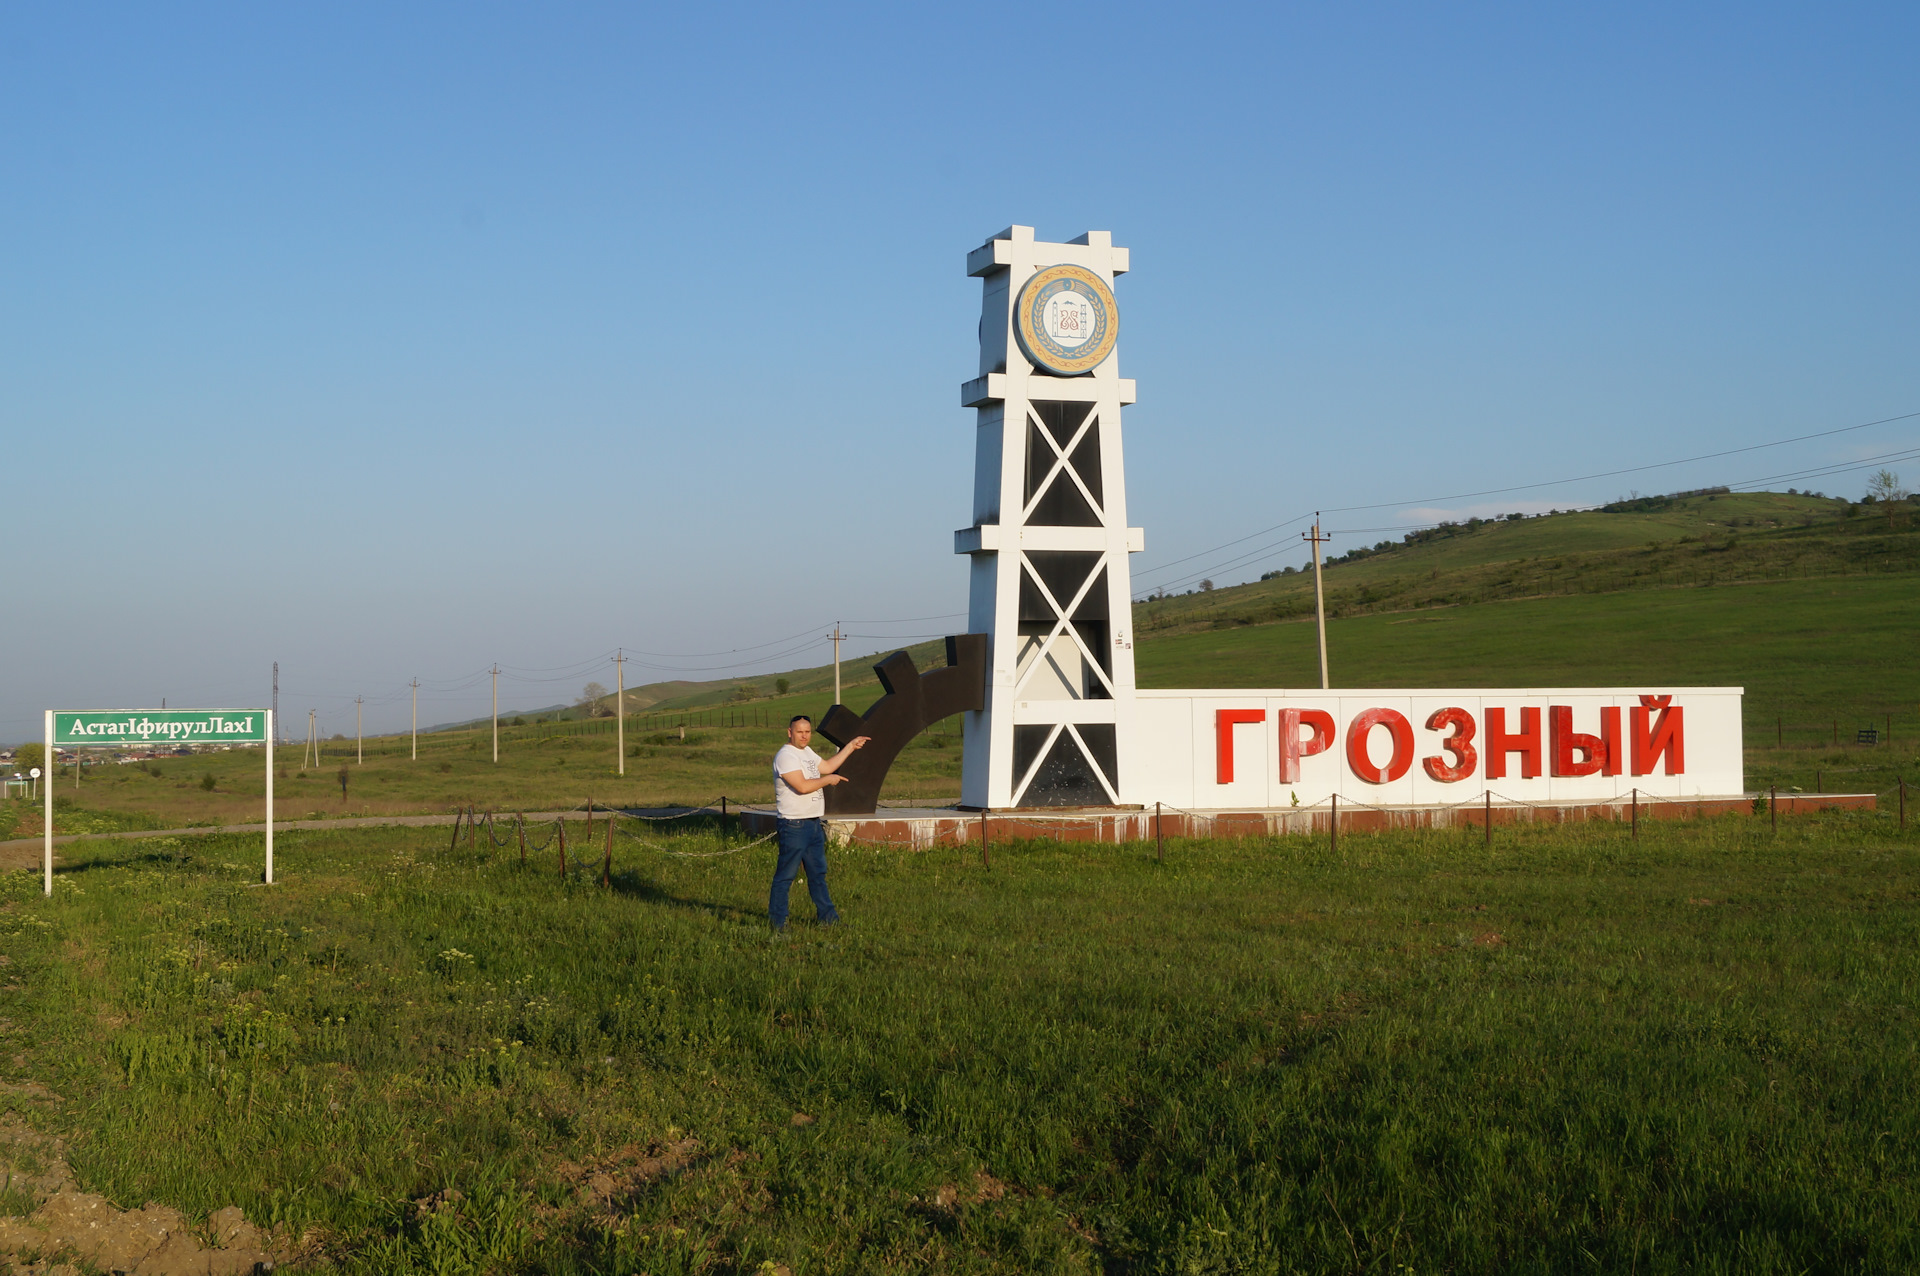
column 1570, row 1052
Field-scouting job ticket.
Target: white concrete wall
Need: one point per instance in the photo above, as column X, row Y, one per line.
column 1175, row 758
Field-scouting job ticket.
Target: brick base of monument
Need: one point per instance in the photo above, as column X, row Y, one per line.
column 918, row 828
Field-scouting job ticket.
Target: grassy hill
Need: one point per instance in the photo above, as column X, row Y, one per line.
column 1818, row 630
column 1710, row 539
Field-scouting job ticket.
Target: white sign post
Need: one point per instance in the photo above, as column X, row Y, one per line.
column 137, row 726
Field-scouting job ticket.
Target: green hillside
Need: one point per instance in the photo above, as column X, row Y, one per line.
column 1811, row 653
column 1656, row 542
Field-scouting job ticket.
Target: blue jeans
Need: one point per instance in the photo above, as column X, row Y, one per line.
column 801, row 842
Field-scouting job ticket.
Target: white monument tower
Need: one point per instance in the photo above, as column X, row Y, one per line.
column 1049, row 542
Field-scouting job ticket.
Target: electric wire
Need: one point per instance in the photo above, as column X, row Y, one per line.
column 1152, row 572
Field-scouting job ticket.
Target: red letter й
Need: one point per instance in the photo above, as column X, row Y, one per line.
column 1357, row 756
column 1526, row 743
column 1459, row 744
column 1224, row 721
column 1563, row 741
column 1667, row 735
column 1293, row 748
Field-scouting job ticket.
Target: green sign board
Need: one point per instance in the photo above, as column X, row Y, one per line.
column 164, row 726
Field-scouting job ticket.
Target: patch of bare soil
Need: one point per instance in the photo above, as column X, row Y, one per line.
column 609, row 1183
column 154, row 1240
column 951, row 1197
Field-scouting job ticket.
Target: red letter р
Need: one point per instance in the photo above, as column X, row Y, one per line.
column 1362, row 762
column 1564, row 741
column 1667, row 736
column 1293, row 748
column 1526, row 743
column 1459, row 744
column 1224, row 720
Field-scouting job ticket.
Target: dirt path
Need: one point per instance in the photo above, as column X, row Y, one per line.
column 26, row 852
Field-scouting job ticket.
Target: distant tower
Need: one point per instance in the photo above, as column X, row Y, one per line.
column 1050, row 583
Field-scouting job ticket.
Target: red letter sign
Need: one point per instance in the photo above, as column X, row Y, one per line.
column 1564, row 741
column 1665, row 736
column 1224, row 720
column 1293, row 748
column 1459, row 744
column 1357, row 757
column 1526, row 743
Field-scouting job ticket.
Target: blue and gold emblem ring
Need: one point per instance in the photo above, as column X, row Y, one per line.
column 1067, row 320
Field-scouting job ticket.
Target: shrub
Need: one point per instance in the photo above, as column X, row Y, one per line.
column 206, row 781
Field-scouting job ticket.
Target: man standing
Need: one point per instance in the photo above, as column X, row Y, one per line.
column 800, row 779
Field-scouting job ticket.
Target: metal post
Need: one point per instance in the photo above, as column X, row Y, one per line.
column 1773, row 805
column 620, row 708
column 563, row 845
column 589, row 836
column 458, row 815
column 723, row 815
column 270, row 720
column 986, row 860
column 606, row 867
column 836, row 662
column 521, row 820
column 1333, row 827
column 1159, row 835
column 1488, row 819
column 1636, row 815
column 46, row 769
column 471, row 822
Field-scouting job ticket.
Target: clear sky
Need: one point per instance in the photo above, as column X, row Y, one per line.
column 395, row 340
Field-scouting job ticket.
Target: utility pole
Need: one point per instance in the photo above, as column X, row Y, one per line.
column 1319, row 598
column 496, row 713
column 620, row 707
column 359, row 752
column 310, row 744
column 415, row 684
column 836, row 662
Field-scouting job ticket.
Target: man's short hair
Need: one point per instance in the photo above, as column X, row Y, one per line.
column 799, row 717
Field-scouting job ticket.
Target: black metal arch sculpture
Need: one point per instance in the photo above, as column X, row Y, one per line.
column 913, row 702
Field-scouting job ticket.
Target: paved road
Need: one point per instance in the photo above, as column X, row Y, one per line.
column 26, row 852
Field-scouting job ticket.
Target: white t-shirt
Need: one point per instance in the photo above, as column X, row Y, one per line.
column 788, row 804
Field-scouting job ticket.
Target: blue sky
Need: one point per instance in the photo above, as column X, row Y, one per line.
column 393, row 341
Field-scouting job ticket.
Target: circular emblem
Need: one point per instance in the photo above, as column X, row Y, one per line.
column 1067, row 320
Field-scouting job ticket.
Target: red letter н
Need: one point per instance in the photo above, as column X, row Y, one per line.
column 1525, row 742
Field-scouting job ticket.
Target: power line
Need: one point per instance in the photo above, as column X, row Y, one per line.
column 1632, row 469
column 1267, row 551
